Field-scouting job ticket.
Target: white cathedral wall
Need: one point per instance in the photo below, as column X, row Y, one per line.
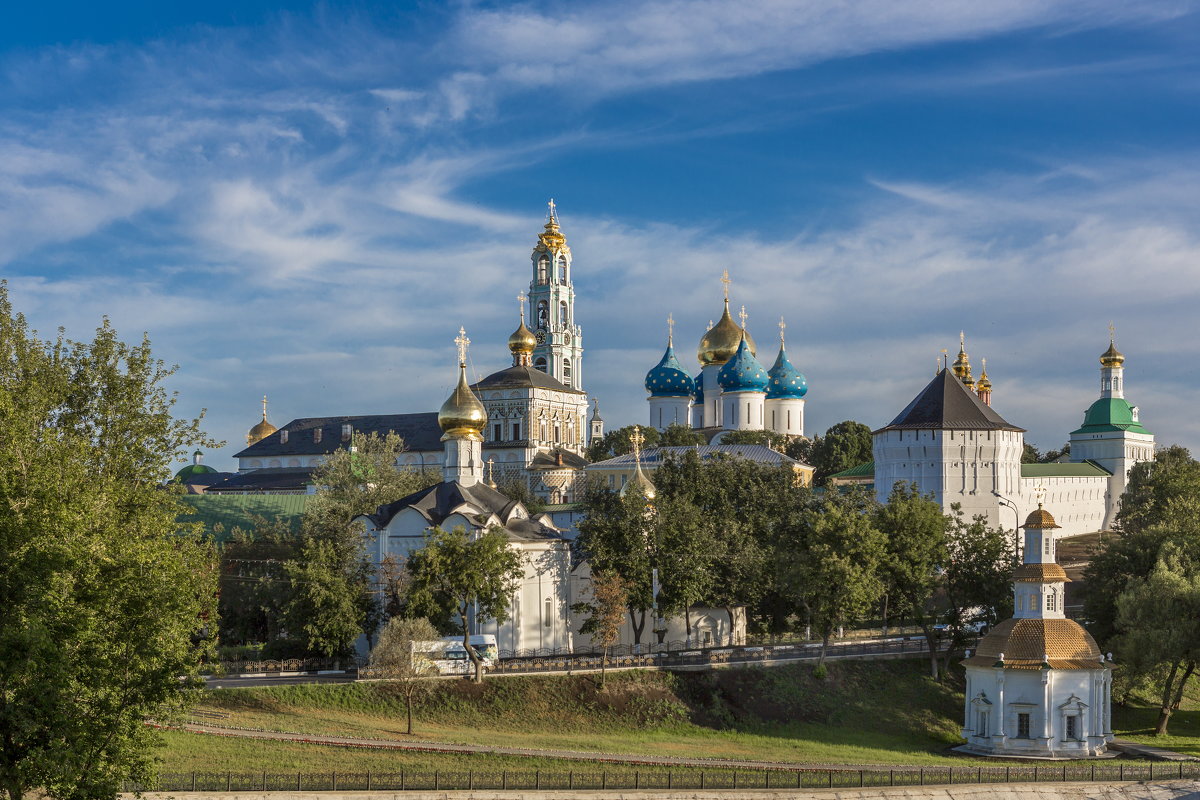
column 742, row 411
column 1041, row 694
column 785, row 415
column 712, row 395
column 1117, row 453
column 1079, row 503
column 965, row 467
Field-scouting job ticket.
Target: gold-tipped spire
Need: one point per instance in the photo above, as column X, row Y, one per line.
column 491, row 481
column 670, row 330
column 643, row 482
column 551, row 238
column 462, row 415
column 261, row 430
column 984, row 388
column 1112, row 357
column 782, row 327
column 962, row 364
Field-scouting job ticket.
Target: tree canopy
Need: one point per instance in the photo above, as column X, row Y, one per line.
column 108, row 609
column 845, row 445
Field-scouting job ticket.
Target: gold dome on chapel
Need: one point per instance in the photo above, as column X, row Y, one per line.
column 261, row 430
column 462, row 414
column 1112, row 356
column 721, row 341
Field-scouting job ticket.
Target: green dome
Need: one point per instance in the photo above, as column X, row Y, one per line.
column 1110, row 414
column 192, row 470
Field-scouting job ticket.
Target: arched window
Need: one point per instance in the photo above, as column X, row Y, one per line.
column 563, row 318
column 543, row 269
column 540, row 364
column 543, row 315
column 566, row 370
column 562, row 269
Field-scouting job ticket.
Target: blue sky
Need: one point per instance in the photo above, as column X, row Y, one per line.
column 306, row 201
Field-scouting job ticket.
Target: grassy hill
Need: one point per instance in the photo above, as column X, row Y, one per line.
column 882, row 712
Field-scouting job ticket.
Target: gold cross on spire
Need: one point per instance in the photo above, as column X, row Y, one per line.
column 552, row 206
column 264, row 406
column 1112, row 333
column 962, row 341
column 725, row 280
column 462, row 341
column 1039, row 492
column 521, row 300
column 742, row 316
column 636, row 439
column 782, row 325
column 670, row 329
column 945, row 358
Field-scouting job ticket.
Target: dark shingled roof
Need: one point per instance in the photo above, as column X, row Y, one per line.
column 266, row 480
column 419, row 431
column 439, row 501
column 522, row 377
column 549, row 460
column 945, row 404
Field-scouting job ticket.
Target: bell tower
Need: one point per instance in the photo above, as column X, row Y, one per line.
column 559, row 349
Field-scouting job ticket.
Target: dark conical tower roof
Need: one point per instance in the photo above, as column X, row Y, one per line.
column 945, row 404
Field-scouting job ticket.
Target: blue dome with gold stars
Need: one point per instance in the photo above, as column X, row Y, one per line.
column 669, row 379
column 743, row 372
column 698, row 395
column 786, row 380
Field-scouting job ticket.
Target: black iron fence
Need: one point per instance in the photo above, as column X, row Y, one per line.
column 663, row 778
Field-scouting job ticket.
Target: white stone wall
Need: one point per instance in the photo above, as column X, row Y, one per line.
column 667, row 411
column 966, row 467
column 742, row 411
column 1078, row 503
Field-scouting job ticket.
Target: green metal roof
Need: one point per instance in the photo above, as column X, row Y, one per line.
column 236, row 510
column 866, row 470
column 1082, row 469
column 1110, row 414
column 194, row 469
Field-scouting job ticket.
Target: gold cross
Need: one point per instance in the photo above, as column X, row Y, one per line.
column 462, row 341
column 945, row 356
column 670, row 328
column 636, row 440
column 1040, row 493
column 962, row 340
column 552, row 207
column 264, row 406
column 521, row 300
column 782, row 325
column 725, row 280
column 743, row 316
column 1112, row 333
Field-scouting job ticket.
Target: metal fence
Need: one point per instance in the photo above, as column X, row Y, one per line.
column 665, row 778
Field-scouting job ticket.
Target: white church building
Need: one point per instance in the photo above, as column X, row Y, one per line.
column 1038, row 686
column 953, row 444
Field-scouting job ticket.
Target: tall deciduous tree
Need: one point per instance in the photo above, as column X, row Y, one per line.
column 351, row 482
column 843, row 446
column 605, row 613
column 1160, row 501
column 107, row 609
column 914, row 530
column 831, row 563
column 394, row 659
column 614, row 536
column 978, row 575
column 460, row 573
column 617, row 442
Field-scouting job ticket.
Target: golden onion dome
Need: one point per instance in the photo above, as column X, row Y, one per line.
column 642, row 481
column 721, row 341
column 462, row 414
column 1112, row 357
column 522, row 340
column 261, row 430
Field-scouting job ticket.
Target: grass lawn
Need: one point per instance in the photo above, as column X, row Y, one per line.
column 1136, row 720
column 883, row 712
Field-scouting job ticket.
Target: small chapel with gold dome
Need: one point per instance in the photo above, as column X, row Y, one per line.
column 1038, row 685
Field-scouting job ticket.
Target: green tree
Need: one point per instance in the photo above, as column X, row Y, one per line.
column 253, row 581
column 843, row 446
column 978, row 575
column 914, row 530
column 605, row 613
column 613, row 537
column 518, row 489
column 1161, row 499
column 350, row 482
column 683, row 545
column 108, row 609
column 830, row 563
column 394, row 659
column 677, row 435
column 457, row 573
column 617, row 443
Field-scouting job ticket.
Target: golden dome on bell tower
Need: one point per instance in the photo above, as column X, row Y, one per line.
column 522, row 342
column 462, row 415
column 261, row 430
column 1112, row 357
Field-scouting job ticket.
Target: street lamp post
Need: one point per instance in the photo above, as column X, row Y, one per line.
column 1016, row 525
